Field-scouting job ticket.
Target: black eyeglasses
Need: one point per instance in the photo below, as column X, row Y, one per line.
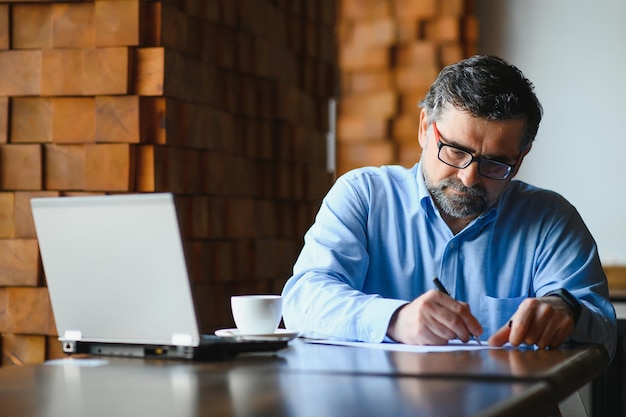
column 459, row 158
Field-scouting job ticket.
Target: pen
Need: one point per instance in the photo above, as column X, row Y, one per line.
column 443, row 289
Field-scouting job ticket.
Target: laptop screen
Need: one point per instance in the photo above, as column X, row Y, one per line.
column 115, row 269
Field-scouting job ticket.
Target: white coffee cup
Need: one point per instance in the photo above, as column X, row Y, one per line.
column 256, row 314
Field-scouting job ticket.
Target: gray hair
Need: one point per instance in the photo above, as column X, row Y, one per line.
column 489, row 88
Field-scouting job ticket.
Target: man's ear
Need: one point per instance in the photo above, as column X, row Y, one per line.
column 520, row 159
column 422, row 129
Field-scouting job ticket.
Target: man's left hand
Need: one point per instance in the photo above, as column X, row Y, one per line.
column 546, row 322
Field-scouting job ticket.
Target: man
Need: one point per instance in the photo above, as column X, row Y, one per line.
column 518, row 261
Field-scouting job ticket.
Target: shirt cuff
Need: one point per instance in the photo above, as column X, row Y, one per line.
column 378, row 315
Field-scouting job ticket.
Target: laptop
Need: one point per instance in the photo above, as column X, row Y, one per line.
column 117, row 277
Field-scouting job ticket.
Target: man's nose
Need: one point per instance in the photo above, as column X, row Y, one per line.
column 469, row 175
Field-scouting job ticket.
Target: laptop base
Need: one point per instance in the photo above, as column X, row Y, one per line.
column 213, row 348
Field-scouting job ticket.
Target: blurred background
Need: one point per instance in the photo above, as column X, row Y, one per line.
column 247, row 110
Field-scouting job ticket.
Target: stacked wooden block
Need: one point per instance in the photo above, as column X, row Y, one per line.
column 222, row 102
column 390, row 51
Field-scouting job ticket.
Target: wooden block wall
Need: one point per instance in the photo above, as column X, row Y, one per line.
column 222, row 102
column 390, row 51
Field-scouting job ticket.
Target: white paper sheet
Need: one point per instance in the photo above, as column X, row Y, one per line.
column 453, row 345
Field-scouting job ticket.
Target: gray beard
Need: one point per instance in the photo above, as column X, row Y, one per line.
column 459, row 206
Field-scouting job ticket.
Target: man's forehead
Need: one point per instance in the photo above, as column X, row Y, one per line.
column 492, row 137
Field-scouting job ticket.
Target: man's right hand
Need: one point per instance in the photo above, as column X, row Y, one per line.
column 433, row 318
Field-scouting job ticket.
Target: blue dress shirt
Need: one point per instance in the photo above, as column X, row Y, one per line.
column 378, row 241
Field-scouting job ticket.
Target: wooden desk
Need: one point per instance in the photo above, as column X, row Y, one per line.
column 488, row 364
column 306, row 380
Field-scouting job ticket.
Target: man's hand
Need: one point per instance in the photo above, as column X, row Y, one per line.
column 546, row 322
column 432, row 319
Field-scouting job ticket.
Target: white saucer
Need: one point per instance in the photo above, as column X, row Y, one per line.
column 280, row 334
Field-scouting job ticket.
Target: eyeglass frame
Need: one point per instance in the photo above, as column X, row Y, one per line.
column 478, row 159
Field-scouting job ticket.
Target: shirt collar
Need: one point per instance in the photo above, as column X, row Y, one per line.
column 426, row 201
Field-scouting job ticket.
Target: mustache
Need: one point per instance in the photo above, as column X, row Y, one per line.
column 476, row 191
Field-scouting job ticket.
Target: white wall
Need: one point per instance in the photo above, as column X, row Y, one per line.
column 574, row 51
